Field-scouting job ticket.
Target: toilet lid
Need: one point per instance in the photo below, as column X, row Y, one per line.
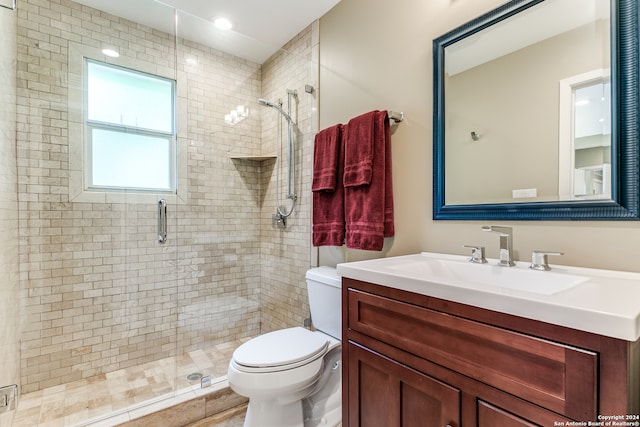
column 280, row 348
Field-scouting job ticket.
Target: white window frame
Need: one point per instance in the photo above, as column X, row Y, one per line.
column 79, row 191
column 113, row 127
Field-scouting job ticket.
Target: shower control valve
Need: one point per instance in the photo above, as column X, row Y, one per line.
column 278, row 221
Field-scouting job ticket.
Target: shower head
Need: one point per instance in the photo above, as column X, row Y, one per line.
column 266, row 103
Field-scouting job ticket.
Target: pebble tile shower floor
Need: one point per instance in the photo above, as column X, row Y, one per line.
column 122, row 395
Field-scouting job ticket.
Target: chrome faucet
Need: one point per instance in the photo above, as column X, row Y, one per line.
column 506, row 243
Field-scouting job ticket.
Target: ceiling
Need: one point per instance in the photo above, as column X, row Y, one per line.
column 261, row 27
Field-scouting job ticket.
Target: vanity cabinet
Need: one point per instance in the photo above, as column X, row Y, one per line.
column 414, row 360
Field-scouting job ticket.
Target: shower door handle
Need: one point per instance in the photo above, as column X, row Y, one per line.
column 162, row 221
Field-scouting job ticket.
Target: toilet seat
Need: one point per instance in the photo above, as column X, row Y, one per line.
column 280, row 350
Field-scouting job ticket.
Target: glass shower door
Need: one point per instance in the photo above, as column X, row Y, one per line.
column 96, row 152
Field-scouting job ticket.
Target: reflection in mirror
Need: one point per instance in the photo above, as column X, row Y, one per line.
column 585, row 137
column 523, row 124
column 502, row 83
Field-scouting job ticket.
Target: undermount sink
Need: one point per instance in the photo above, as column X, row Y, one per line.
column 462, row 271
column 598, row 301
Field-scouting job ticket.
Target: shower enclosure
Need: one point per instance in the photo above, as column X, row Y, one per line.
column 113, row 137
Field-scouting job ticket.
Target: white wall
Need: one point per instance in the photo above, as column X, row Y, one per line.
column 377, row 55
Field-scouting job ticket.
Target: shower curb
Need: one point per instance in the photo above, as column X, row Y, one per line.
column 215, row 401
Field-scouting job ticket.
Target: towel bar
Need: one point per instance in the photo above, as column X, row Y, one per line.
column 396, row 116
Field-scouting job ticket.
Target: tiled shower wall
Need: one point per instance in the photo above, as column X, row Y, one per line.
column 99, row 292
column 9, row 290
column 286, row 252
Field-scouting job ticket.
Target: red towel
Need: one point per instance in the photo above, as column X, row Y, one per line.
column 369, row 208
column 325, row 159
column 328, row 206
column 359, row 149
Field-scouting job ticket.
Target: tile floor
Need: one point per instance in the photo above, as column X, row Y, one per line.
column 116, row 394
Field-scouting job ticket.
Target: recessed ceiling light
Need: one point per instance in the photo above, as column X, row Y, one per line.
column 111, row 53
column 222, row 23
column 583, row 102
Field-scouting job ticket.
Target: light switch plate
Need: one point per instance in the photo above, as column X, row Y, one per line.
column 524, row 193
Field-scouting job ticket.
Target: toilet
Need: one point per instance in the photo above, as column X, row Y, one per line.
column 293, row 376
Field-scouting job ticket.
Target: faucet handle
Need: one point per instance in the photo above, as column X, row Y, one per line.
column 477, row 254
column 539, row 260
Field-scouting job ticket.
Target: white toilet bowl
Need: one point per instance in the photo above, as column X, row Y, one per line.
column 292, row 365
column 293, row 377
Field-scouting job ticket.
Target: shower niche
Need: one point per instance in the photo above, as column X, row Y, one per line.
column 282, row 136
column 255, row 158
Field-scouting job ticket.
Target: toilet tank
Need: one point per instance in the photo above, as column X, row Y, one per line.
column 325, row 300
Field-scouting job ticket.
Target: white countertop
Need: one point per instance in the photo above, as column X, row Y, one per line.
column 606, row 302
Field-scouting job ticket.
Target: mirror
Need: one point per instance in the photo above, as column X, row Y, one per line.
column 535, row 113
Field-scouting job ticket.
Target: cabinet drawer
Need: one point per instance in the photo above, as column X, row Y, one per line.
column 490, row 416
column 555, row 376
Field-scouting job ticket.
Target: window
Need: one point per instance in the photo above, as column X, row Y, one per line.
column 130, row 130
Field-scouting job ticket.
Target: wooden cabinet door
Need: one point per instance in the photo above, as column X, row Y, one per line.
column 385, row 393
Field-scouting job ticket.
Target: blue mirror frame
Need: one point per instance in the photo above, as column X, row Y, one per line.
column 625, row 203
